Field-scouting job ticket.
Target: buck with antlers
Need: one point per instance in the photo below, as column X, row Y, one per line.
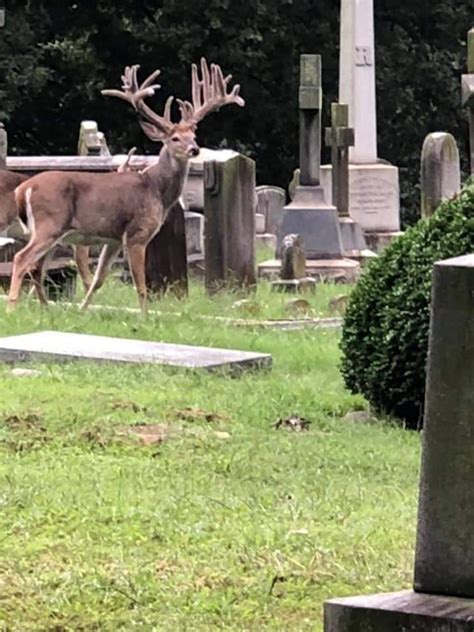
column 121, row 208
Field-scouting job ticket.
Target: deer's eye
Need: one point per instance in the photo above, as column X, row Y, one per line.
column 175, row 139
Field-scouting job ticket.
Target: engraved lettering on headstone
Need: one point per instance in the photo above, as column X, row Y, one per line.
column 364, row 56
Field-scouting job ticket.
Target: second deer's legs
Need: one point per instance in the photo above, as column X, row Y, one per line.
column 24, row 260
column 107, row 256
column 38, row 275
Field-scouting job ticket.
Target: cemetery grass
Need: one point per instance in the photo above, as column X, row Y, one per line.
column 228, row 523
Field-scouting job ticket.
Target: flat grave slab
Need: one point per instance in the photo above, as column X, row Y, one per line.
column 60, row 346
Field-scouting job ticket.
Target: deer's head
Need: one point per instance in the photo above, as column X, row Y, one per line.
column 209, row 93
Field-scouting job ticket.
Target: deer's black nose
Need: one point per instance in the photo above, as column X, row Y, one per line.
column 194, row 151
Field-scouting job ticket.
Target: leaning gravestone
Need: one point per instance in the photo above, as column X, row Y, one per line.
column 443, row 597
column 60, row 346
column 440, row 171
column 229, row 240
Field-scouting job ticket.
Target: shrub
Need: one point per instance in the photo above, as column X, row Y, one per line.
column 385, row 331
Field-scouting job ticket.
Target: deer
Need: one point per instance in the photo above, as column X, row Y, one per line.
column 9, row 219
column 121, row 208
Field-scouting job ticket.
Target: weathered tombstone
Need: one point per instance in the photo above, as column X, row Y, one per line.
column 444, row 577
column 440, row 171
column 293, row 267
column 468, row 91
column 308, row 214
column 373, row 184
column 340, row 137
column 270, row 203
column 166, row 265
column 229, row 239
column 91, row 141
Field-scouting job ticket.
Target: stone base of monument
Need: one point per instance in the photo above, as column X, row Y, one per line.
column 346, row 270
column 374, row 195
column 293, row 286
column 266, row 240
column 394, row 612
column 310, row 215
column 353, row 241
column 378, row 241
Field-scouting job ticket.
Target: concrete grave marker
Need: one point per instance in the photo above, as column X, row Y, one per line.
column 229, row 213
column 440, row 171
column 271, row 202
column 59, row 346
column 444, row 562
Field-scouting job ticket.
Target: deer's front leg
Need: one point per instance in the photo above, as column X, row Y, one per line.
column 38, row 275
column 136, row 260
column 107, row 256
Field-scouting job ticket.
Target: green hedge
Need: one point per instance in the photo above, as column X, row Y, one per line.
column 385, row 331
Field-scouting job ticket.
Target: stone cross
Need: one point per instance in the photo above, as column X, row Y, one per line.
column 468, row 91
column 357, row 76
column 340, row 137
column 310, row 105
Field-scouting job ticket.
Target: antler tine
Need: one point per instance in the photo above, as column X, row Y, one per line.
column 208, row 93
column 135, row 94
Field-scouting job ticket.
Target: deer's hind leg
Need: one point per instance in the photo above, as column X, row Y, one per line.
column 81, row 257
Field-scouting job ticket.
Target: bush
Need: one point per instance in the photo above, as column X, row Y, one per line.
column 385, row 331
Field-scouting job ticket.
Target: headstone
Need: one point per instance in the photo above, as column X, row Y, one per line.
column 293, row 267
column 444, row 578
column 259, row 223
column 91, row 141
column 373, row 184
column 60, row 346
column 468, row 91
column 229, row 240
column 309, row 214
column 166, row 265
column 340, row 137
column 271, row 202
column 440, row 171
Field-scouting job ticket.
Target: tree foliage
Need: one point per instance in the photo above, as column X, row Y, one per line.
column 55, row 58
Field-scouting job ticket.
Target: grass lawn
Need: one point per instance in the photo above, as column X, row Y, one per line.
column 228, row 523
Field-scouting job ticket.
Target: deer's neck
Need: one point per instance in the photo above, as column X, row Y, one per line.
column 168, row 176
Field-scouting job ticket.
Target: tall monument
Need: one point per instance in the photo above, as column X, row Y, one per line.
column 374, row 185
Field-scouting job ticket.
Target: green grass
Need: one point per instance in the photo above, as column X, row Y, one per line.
column 248, row 530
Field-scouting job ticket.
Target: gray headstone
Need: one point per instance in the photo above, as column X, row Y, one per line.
column 59, row 346
column 194, row 223
column 340, row 137
column 229, row 212
column 271, row 202
column 440, row 171
column 444, row 560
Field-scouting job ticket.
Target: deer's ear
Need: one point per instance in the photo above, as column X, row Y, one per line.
column 154, row 133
